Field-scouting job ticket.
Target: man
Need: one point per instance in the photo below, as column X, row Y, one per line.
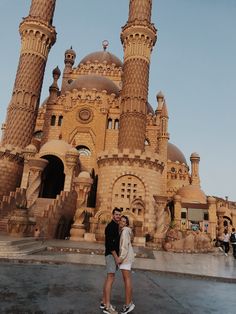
column 112, row 240
column 233, row 241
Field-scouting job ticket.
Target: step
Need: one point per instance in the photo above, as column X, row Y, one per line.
column 18, row 247
column 11, row 254
column 9, row 240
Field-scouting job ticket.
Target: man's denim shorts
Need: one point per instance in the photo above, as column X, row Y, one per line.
column 111, row 266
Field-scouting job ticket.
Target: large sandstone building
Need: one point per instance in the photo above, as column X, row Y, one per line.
column 96, row 143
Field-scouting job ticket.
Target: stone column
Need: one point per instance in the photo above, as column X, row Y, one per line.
column 177, row 209
column 220, row 227
column 160, row 225
column 72, row 158
column 36, row 167
column 28, row 153
column 212, row 217
column 82, row 186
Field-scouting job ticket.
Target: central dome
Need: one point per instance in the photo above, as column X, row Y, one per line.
column 94, row 81
column 174, row 154
column 100, row 57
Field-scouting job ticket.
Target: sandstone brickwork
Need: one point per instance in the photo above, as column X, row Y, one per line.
column 95, row 143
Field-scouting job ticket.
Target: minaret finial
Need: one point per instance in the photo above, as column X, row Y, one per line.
column 105, row 44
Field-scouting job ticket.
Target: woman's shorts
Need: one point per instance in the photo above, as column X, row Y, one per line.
column 125, row 266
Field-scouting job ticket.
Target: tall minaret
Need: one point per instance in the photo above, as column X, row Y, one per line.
column 37, row 37
column 138, row 37
column 195, row 178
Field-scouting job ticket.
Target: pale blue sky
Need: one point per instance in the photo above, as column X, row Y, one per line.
column 193, row 63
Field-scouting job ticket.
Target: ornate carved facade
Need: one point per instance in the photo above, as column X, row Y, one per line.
column 96, row 143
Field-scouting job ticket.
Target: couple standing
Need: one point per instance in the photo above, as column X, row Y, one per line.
column 118, row 254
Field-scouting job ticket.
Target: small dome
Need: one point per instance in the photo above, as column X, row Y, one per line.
column 52, row 147
column 70, row 51
column 56, row 72
column 194, row 156
column 94, row 81
column 192, row 194
column 100, row 57
column 84, row 174
column 174, row 154
column 160, row 95
column 73, row 150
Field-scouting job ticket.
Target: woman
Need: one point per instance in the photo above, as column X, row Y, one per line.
column 126, row 258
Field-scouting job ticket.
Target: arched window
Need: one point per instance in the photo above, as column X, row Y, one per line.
column 116, row 127
column 53, row 120
column 60, row 120
column 38, row 134
column 83, row 150
column 109, row 123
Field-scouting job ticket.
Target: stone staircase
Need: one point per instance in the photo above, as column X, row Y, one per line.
column 10, row 247
column 3, row 223
column 40, row 205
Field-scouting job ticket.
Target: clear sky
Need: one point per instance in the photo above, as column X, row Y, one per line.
column 193, row 63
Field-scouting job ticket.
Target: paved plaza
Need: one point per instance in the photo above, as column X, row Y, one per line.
column 67, row 278
column 76, row 289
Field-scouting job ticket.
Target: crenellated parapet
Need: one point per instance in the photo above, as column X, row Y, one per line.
column 37, row 37
column 12, row 154
column 101, row 100
column 109, row 70
column 138, row 39
column 130, row 159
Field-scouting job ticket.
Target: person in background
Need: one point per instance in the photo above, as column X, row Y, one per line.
column 225, row 243
column 126, row 258
column 233, row 241
column 112, row 238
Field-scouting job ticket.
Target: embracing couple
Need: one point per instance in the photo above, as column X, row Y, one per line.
column 119, row 254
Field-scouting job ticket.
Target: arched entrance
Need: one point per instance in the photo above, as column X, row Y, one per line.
column 53, row 177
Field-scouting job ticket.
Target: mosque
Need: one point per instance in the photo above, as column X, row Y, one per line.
column 95, row 143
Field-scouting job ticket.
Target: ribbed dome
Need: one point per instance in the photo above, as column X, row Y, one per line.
column 192, row 194
column 101, row 56
column 94, row 81
column 175, row 154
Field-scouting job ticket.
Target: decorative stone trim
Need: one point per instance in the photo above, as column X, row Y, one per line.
column 84, row 115
column 129, row 173
column 11, row 155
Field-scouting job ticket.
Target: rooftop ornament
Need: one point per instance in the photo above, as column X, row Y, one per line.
column 105, row 44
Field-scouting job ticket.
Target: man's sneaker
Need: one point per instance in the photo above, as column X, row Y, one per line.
column 102, row 306
column 110, row 310
column 221, row 249
column 127, row 308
